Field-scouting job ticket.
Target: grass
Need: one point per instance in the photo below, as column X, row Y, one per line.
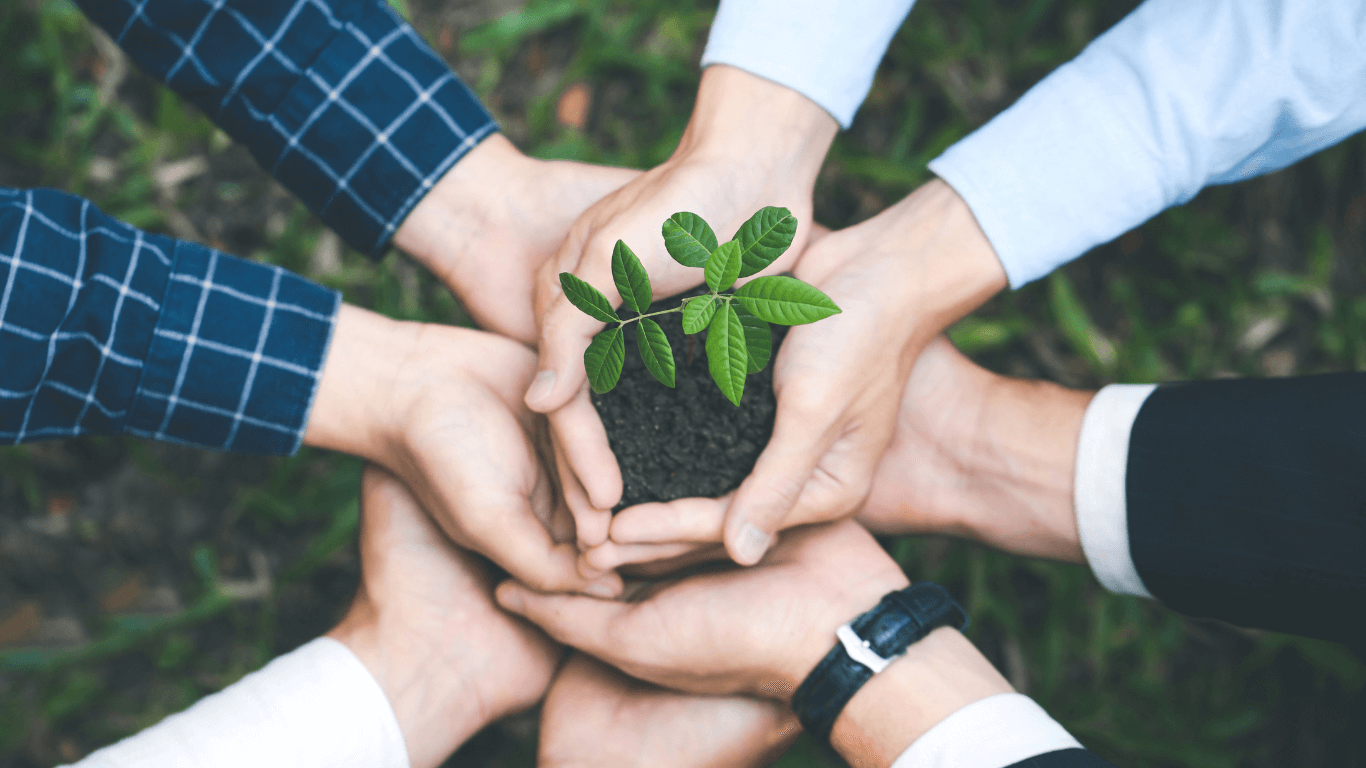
column 1263, row 278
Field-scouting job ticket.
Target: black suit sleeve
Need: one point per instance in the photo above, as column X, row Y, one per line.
column 1247, row 502
column 1063, row 758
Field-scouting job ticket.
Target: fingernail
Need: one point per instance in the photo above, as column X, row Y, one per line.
column 751, row 544
column 603, row 589
column 541, row 388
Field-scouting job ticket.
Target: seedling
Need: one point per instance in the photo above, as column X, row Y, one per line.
column 738, row 338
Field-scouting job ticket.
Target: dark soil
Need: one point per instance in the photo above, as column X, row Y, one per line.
column 689, row 440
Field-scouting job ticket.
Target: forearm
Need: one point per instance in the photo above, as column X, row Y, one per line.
column 1176, row 96
column 119, row 330
column 827, row 53
column 317, row 707
column 341, row 100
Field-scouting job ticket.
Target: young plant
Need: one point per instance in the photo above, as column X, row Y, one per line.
column 738, row 339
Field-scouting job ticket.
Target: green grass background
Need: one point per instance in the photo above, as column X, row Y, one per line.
column 1263, row 278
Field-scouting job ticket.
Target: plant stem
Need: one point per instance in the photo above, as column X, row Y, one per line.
column 678, row 308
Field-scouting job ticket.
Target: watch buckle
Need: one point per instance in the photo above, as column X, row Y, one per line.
column 861, row 650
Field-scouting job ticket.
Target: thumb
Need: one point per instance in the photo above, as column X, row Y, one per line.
column 574, row 620
column 766, row 498
column 565, row 334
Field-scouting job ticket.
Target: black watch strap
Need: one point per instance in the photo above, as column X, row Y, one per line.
column 901, row 618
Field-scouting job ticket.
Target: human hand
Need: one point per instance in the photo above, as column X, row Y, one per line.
column 596, row 716
column 750, row 143
column 425, row 626
column 973, row 454
column 761, row 630
column 900, row 277
column 441, row 408
column 488, row 225
column 755, row 631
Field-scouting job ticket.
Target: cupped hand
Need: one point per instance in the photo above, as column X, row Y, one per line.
column 751, row 143
column 441, row 408
column 757, row 631
column 486, row 228
column 973, row 454
column 900, row 278
column 596, row 717
column 425, row 625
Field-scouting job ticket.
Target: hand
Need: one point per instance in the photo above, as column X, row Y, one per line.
column 973, row 454
column 425, row 626
column 490, row 223
column 901, row 278
column 981, row 456
column 761, row 630
column 750, row 143
column 755, row 632
column 441, row 408
column 596, row 716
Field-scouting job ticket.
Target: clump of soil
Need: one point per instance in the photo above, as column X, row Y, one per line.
column 689, row 440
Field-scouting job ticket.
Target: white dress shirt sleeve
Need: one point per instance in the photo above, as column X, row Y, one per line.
column 316, row 707
column 825, row 50
column 1099, row 491
column 995, row 732
column 1177, row 96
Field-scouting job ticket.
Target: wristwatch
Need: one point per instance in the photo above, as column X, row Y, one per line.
column 866, row 646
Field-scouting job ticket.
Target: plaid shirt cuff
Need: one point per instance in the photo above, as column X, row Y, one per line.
column 235, row 357
column 341, row 100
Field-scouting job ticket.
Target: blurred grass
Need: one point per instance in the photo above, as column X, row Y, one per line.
column 1260, row 279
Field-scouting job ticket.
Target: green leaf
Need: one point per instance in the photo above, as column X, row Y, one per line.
column 697, row 313
column 758, row 339
column 765, row 237
column 603, row 359
column 785, row 300
column 689, row 239
column 726, row 356
column 723, row 266
column 632, row 281
column 588, row 299
column 655, row 351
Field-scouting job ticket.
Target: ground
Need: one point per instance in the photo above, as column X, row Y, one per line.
column 135, row 578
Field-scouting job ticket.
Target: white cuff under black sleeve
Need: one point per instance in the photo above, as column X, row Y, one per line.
column 1099, row 485
column 316, row 707
column 995, row 732
column 827, row 51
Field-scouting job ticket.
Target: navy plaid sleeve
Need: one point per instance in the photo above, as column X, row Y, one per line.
column 341, row 100
column 107, row 329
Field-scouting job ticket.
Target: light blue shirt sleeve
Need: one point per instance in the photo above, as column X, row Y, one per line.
column 827, row 51
column 1178, row 95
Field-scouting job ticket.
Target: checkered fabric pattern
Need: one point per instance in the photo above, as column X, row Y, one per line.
column 107, row 329
column 340, row 99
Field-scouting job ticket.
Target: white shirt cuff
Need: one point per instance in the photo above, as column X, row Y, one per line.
column 1099, row 487
column 316, row 707
column 827, row 52
column 995, row 732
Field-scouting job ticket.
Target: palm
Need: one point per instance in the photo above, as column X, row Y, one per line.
column 594, row 715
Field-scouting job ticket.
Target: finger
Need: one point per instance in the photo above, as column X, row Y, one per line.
column 566, row 332
column 683, row 520
column 765, row 499
column 585, row 623
column 590, row 523
column 523, row 547
column 583, row 439
column 670, row 566
column 609, row 555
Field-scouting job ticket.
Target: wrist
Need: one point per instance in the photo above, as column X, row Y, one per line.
column 432, row 699
column 937, row 676
column 744, row 120
column 352, row 407
column 1022, row 458
column 462, row 204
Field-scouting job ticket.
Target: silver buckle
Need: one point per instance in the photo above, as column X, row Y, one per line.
column 861, row 650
